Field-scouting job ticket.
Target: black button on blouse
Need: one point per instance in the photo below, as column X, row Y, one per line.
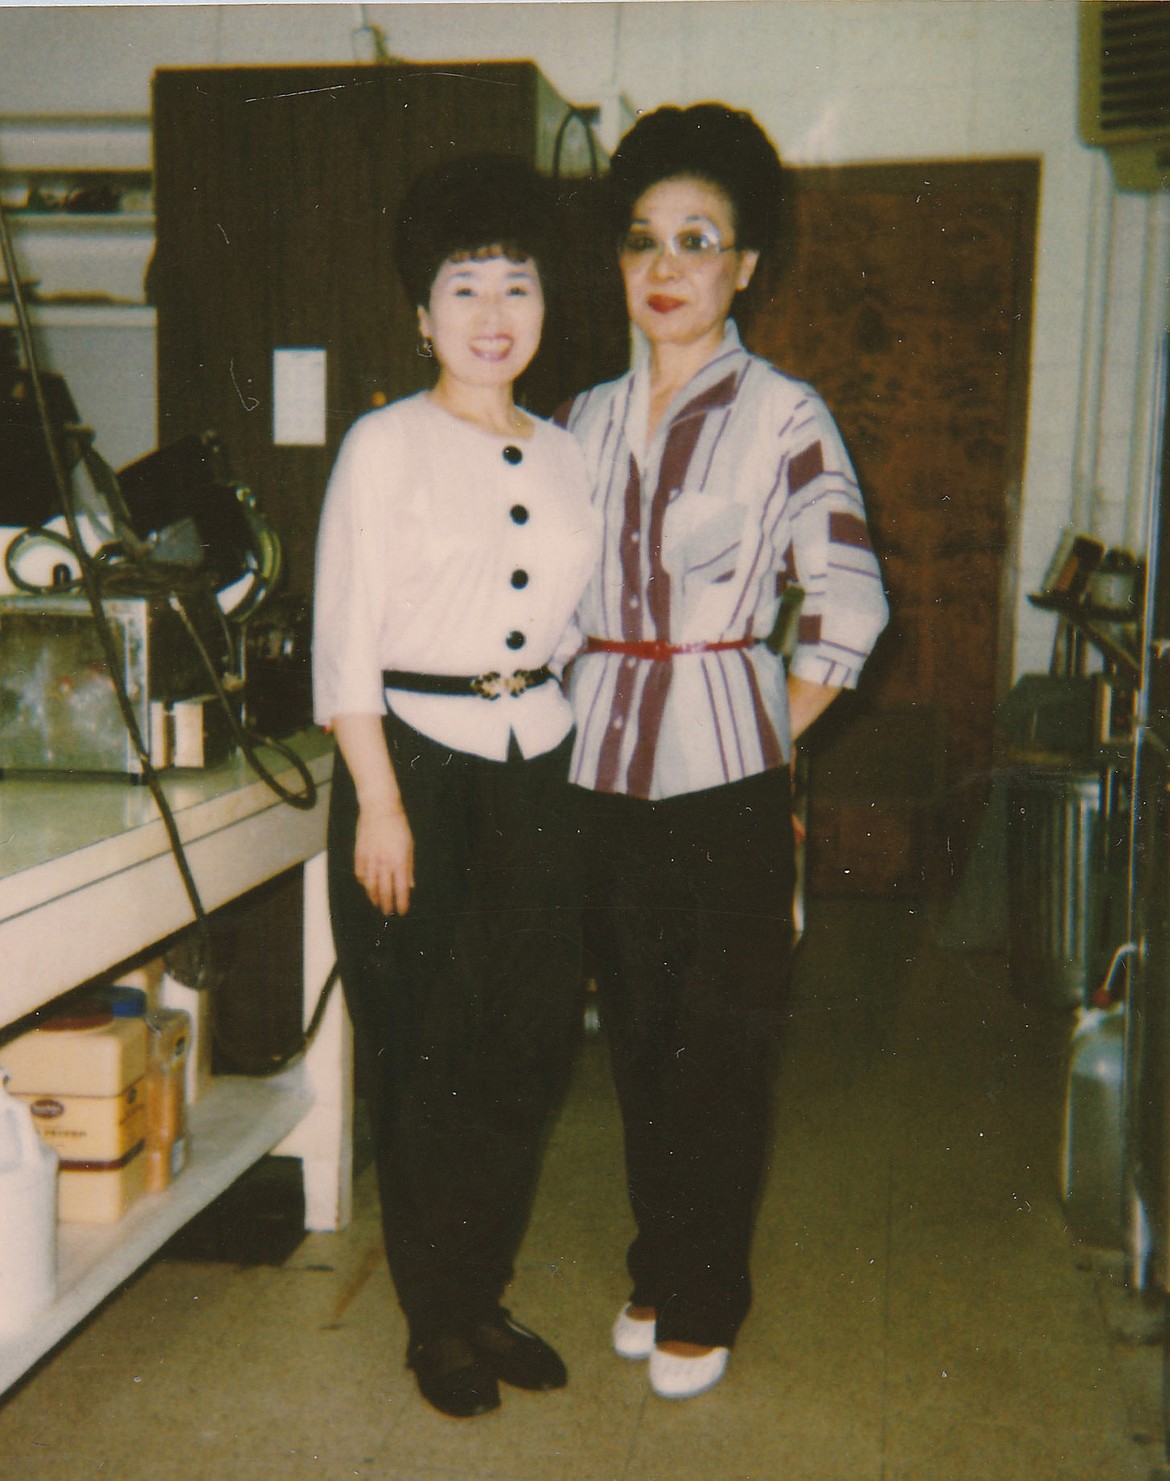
column 519, row 514
column 515, row 640
column 513, row 455
column 519, row 579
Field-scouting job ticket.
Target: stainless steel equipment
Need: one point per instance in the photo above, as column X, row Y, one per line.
column 1057, row 869
column 1091, row 1161
column 58, row 708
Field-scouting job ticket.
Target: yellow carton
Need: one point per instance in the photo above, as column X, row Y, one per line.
column 100, row 1193
column 82, row 1075
column 90, row 1128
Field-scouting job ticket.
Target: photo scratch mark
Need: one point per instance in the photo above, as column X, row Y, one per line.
column 470, row 77
column 304, row 92
column 369, row 1263
column 249, row 403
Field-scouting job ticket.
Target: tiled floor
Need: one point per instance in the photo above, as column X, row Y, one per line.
column 921, row 1314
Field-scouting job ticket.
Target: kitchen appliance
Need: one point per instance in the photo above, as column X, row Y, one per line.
column 58, row 707
column 184, row 506
column 1059, row 869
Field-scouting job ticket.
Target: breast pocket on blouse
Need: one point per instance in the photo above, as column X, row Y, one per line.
column 701, row 537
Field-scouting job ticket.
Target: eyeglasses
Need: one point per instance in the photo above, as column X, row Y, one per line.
column 692, row 244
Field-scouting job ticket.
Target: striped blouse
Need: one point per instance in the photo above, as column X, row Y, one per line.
column 744, row 488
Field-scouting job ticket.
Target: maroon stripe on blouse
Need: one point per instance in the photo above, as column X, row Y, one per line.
column 630, row 617
column 681, row 442
column 610, row 753
column 808, row 629
column 702, row 478
column 607, row 496
column 805, row 466
column 849, row 529
column 641, row 773
column 631, row 554
column 680, row 447
column 722, row 393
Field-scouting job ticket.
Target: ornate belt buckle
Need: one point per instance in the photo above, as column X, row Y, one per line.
column 489, row 686
column 518, row 682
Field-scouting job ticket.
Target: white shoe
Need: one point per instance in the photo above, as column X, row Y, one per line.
column 633, row 1337
column 675, row 1377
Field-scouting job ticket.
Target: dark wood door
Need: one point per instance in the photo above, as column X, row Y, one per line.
column 276, row 189
column 908, row 305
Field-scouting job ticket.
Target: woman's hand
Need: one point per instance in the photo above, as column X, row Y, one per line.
column 807, row 702
column 383, row 858
column 383, row 855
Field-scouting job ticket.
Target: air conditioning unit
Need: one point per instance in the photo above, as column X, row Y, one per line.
column 1125, row 89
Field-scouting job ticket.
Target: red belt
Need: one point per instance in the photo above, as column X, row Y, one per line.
column 656, row 649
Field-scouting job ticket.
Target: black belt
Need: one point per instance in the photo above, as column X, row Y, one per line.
column 482, row 686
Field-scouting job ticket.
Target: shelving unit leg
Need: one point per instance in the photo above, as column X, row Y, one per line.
column 324, row 1139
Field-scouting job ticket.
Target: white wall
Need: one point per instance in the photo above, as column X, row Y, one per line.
column 833, row 81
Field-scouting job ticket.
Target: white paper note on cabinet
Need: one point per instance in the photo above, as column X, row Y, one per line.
column 298, row 398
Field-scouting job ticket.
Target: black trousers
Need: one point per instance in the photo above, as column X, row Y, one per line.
column 688, row 931
column 464, row 1010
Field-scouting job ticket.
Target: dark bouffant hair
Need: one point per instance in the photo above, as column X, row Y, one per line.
column 712, row 142
column 479, row 205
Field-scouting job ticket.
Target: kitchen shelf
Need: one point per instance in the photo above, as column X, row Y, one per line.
column 116, row 223
column 76, row 255
column 88, row 882
column 236, row 1123
column 84, row 315
column 64, row 143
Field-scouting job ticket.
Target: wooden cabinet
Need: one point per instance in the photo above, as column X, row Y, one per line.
column 907, row 303
column 276, row 190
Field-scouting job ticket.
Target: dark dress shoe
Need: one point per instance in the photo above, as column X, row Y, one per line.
column 453, row 1377
column 517, row 1356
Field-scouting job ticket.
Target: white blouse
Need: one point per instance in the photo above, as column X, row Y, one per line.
column 445, row 549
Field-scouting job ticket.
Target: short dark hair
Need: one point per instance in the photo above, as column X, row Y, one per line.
column 724, row 146
column 477, row 205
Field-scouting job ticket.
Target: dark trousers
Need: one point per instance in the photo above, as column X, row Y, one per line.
column 688, row 931
column 464, row 1012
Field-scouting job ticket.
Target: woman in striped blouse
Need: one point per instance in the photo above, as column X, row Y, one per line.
column 719, row 481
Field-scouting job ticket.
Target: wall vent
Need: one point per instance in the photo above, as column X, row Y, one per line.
column 1125, row 89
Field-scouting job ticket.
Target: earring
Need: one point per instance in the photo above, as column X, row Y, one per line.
column 424, row 348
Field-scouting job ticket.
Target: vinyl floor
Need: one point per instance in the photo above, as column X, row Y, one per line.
column 922, row 1311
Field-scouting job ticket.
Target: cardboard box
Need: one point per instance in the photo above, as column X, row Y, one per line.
column 83, row 1077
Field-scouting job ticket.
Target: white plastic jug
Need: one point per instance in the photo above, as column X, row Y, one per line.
column 28, row 1216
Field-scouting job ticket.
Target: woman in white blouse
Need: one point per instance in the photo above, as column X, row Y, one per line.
column 719, row 481
column 456, row 538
